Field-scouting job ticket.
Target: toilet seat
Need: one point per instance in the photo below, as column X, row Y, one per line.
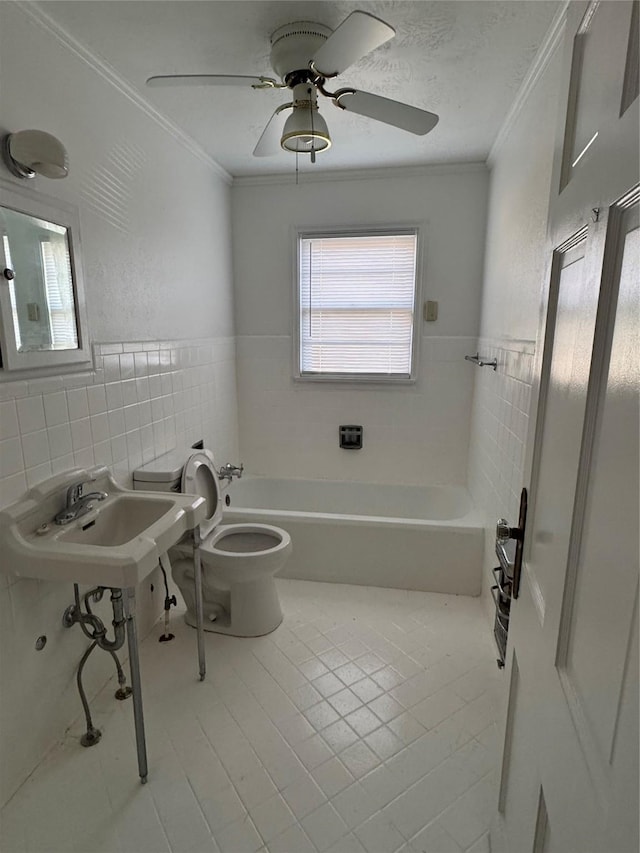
column 266, row 540
column 199, row 477
column 257, row 548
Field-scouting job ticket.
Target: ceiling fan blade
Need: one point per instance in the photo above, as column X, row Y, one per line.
column 269, row 142
column 168, row 80
column 386, row 110
column 357, row 35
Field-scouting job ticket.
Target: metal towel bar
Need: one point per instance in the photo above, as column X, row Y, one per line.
column 481, row 362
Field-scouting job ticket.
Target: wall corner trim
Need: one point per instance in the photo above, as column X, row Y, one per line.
column 550, row 44
column 38, row 15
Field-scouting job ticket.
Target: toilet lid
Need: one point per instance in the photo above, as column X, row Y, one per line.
column 199, row 478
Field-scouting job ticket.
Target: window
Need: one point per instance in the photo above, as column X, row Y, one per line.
column 357, row 300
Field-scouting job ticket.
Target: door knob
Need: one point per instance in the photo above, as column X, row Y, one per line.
column 512, row 562
column 505, row 532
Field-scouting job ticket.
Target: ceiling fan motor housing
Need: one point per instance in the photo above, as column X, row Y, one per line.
column 293, row 46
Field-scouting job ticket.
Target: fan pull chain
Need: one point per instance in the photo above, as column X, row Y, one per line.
column 313, row 146
column 310, row 290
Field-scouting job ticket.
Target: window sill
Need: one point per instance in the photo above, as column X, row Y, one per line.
column 355, row 380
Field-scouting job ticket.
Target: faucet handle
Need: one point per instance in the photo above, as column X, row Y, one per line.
column 228, row 471
column 75, row 490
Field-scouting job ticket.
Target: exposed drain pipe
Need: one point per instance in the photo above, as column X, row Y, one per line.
column 97, row 633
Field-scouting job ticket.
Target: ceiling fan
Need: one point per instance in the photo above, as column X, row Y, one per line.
column 305, row 55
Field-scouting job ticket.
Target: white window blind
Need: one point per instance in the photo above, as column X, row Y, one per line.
column 59, row 293
column 357, row 295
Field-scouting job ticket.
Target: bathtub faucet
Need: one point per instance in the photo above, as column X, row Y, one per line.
column 229, row 471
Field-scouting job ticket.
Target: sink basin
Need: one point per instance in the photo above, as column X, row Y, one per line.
column 116, row 544
column 117, row 522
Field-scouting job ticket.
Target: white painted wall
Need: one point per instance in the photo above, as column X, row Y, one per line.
column 155, row 226
column 412, row 434
column 154, row 218
column 515, row 264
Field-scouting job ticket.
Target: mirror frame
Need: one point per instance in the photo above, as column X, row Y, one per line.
column 60, row 213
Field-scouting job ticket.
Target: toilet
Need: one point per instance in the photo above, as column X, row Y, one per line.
column 239, row 561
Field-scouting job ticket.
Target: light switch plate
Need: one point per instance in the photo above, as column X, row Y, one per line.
column 430, row 310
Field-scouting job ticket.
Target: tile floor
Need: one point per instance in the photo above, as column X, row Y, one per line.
column 365, row 722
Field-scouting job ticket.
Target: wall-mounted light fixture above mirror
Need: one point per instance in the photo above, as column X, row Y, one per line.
column 42, row 311
column 28, row 153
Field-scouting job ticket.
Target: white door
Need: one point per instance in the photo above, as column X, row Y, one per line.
column 569, row 781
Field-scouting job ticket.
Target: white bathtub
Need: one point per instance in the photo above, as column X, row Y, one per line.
column 407, row 537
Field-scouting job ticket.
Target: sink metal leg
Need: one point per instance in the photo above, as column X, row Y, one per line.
column 197, row 578
column 134, row 663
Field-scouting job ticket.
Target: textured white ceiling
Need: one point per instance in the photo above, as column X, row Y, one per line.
column 462, row 60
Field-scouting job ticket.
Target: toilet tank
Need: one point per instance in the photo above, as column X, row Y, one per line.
column 162, row 474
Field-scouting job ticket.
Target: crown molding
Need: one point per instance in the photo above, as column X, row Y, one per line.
column 546, row 51
column 314, row 177
column 553, row 38
column 37, row 14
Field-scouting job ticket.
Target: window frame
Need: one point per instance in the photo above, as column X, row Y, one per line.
column 301, row 233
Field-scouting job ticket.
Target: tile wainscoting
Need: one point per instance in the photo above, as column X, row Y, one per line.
column 413, row 433
column 142, row 399
column 500, row 420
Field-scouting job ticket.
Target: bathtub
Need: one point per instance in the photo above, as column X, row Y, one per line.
column 405, row 537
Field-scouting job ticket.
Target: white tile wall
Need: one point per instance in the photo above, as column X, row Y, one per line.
column 413, row 434
column 142, row 399
column 500, row 421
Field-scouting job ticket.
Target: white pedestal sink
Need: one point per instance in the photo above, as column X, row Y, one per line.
column 115, row 544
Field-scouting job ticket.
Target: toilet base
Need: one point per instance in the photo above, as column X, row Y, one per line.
column 254, row 610
column 219, row 627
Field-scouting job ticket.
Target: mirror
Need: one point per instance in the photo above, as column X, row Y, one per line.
column 41, row 290
column 40, row 294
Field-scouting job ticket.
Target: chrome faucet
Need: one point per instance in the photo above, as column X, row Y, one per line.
column 77, row 503
column 229, row 471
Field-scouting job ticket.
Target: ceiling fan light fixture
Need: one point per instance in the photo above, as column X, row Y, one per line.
column 305, row 130
column 304, row 54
